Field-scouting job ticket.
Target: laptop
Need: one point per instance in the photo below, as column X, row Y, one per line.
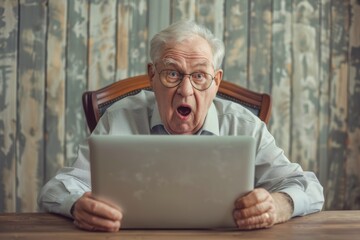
column 172, row 181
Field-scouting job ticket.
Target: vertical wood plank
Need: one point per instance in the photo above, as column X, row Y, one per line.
column 281, row 73
column 353, row 161
column 324, row 90
column 210, row 13
column 236, row 42
column 55, row 88
column 132, row 38
column 122, row 41
column 138, row 34
column 30, row 114
column 76, row 76
column 338, row 129
column 8, row 77
column 159, row 17
column 102, row 53
column 305, row 128
column 260, row 46
column 183, row 9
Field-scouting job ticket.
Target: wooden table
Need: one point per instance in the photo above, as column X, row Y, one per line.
column 327, row 225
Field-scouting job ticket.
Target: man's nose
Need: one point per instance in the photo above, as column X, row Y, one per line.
column 185, row 88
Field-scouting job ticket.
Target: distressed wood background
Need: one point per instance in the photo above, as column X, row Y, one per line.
column 305, row 53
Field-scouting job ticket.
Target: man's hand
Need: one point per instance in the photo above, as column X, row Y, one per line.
column 260, row 209
column 95, row 215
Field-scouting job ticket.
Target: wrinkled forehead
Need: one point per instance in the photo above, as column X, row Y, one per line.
column 193, row 52
column 193, row 63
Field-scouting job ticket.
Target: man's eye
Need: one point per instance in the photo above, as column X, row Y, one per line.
column 198, row 76
column 173, row 74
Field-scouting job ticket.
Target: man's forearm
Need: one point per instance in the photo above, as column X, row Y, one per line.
column 284, row 207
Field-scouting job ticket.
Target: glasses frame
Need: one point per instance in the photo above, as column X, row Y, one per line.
column 182, row 79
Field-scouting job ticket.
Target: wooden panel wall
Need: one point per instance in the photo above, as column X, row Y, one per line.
column 305, row 53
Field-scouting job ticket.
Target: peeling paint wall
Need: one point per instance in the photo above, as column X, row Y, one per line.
column 305, row 53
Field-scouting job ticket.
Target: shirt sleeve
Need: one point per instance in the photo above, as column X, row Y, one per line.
column 60, row 193
column 275, row 173
column 70, row 183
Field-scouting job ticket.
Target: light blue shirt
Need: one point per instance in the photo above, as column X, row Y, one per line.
column 139, row 114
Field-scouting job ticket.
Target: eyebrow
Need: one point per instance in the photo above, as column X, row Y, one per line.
column 205, row 63
column 171, row 61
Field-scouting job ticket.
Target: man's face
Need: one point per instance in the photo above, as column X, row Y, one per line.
column 183, row 109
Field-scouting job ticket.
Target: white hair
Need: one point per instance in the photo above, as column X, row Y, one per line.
column 182, row 30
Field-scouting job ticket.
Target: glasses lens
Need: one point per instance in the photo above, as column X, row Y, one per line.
column 199, row 80
column 170, row 78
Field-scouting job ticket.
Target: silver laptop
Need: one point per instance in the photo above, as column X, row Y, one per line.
column 172, row 181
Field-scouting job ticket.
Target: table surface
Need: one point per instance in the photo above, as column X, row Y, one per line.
column 327, row 225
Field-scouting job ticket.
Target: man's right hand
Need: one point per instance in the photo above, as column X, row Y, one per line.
column 96, row 215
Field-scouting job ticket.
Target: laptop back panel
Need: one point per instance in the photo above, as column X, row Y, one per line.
column 172, row 181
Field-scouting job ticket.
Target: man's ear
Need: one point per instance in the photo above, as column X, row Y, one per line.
column 150, row 71
column 218, row 77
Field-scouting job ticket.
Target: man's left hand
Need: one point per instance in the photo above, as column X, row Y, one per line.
column 260, row 209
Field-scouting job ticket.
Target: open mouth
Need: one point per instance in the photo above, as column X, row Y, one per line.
column 184, row 111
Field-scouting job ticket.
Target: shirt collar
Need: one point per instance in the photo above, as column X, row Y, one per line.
column 155, row 118
column 211, row 124
column 210, row 127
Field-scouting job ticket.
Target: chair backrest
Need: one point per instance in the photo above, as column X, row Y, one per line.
column 96, row 102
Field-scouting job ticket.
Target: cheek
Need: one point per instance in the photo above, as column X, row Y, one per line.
column 203, row 104
column 164, row 99
column 166, row 104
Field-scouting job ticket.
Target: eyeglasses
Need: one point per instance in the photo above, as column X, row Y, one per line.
column 199, row 80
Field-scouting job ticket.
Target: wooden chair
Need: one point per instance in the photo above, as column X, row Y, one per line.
column 96, row 102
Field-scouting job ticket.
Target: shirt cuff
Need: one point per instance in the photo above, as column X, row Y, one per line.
column 69, row 202
column 300, row 200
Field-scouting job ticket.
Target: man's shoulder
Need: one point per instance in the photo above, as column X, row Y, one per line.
column 129, row 115
column 226, row 108
column 144, row 99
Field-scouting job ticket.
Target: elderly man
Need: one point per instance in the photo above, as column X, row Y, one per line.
column 185, row 75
